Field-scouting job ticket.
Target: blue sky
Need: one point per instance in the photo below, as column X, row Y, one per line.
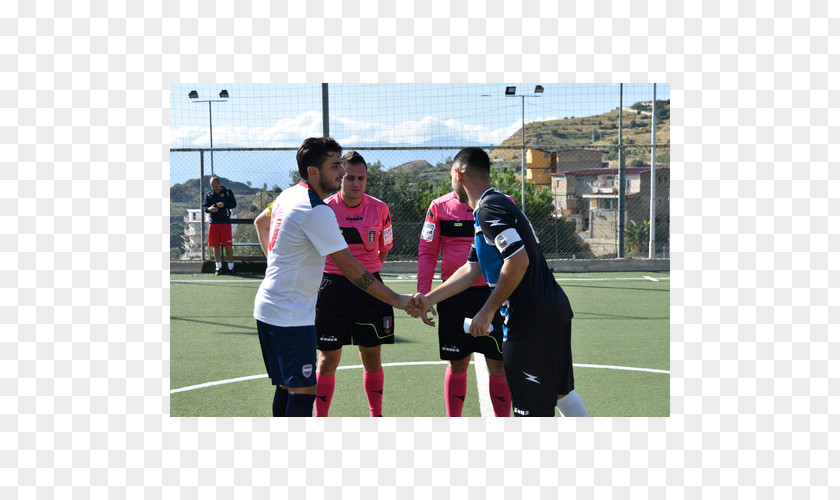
column 451, row 116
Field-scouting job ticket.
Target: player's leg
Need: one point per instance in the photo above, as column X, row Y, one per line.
column 456, row 348
column 568, row 400
column 328, row 362
column 289, row 357
column 498, row 387
column 373, row 326
column 455, row 386
column 373, row 379
column 491, row 347
column 227, row 242
column 333, row 320
column 531, row 372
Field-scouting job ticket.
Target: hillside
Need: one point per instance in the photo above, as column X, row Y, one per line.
column 188, row 192
column 591, row 130
column 422, row 170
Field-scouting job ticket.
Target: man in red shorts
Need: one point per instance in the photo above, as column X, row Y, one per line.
column 218, row 202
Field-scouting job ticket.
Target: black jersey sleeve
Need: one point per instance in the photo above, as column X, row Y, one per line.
column 499, row 225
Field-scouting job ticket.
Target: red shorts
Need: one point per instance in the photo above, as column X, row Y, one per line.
column 220, row 235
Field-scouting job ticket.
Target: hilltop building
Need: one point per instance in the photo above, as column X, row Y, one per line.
column 590, row 198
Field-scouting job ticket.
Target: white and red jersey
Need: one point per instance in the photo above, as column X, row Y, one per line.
column 302, row 232
column 366, row 229
column 449, row 228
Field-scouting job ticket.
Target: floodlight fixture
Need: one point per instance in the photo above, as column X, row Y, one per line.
column 510, row 90
column 224, row 94
column 193, row 94
column 538, row 89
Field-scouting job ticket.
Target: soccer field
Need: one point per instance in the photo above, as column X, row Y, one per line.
column 620, row 344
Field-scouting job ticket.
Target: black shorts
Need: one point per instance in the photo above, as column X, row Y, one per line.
column 346, row 314
column 453, row 342
column 539, row 367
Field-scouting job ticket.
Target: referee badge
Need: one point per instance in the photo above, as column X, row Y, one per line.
column 371, row 236
column 388, row 324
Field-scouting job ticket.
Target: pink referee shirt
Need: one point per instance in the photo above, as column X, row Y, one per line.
column 366, row 229
column 449, row 229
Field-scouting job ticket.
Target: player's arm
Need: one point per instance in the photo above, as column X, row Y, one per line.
column 232, row 201
column 513, row 270
column 428, row 251
column 207, row 204
column 354, row 271
column 262, row 225
column 461, row 279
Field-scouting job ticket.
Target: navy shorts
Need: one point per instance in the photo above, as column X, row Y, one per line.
column 288, row 353
column 538, row 368
column 453, row 342
column 346, row 314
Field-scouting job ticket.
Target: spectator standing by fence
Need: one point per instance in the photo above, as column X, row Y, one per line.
column 218, row 202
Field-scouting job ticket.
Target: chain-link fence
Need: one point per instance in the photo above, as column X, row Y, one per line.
column 572, row 196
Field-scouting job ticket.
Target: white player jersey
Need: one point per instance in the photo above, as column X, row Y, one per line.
column 302, row 233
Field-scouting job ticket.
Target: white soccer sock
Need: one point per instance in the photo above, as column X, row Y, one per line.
column 230, row 266
column 571, row 405
column 218, row 265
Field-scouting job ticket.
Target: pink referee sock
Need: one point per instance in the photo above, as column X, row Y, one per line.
column 454, row 392
column 324, row 394
column 374, row 387
column 500, row 395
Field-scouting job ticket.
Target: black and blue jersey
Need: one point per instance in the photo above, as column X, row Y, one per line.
column 538, row 304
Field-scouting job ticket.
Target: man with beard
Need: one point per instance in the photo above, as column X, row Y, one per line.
column 537, row 330
column 302, row 231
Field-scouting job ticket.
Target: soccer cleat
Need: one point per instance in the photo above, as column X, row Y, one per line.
column 218, row 271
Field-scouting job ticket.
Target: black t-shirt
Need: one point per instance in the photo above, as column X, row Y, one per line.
column 538, row 304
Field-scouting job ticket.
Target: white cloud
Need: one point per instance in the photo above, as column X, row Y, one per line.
column 289, row 132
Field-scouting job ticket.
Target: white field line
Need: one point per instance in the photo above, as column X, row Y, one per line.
column 482, row 378
column 415, row 363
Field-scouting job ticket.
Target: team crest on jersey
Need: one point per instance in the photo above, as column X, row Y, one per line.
column 371, row 236
column 307, row 371
column 388, row 323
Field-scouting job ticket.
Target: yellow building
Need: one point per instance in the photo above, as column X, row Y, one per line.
column 541, row 164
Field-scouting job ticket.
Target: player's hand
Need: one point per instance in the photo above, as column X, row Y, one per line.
column 425, row 306
column 481, row 322
column 213, row 209
column 220, row 204
column 406, row 303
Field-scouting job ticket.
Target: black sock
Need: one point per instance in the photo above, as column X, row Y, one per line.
column 281, row 396
column 300, row 405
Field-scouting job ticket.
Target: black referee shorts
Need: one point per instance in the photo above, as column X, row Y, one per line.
column 538, row 367
column 454, row 343
column 344, row 314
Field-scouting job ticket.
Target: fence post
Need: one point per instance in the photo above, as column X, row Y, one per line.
column 652, row 225
column 201, row 202
column 621, row 188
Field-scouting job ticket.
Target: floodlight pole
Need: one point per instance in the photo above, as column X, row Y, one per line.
column 194, row 95
column 511, row 91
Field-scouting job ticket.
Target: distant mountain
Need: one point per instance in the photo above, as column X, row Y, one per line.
column 598, row 130
column 423, row 170
column 188, row 192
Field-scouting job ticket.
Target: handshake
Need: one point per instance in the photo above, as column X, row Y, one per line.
column 418, row 306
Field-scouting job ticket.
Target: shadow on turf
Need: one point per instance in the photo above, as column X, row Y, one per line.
column 588, row 315
column 564, row 285
column 250, row 330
